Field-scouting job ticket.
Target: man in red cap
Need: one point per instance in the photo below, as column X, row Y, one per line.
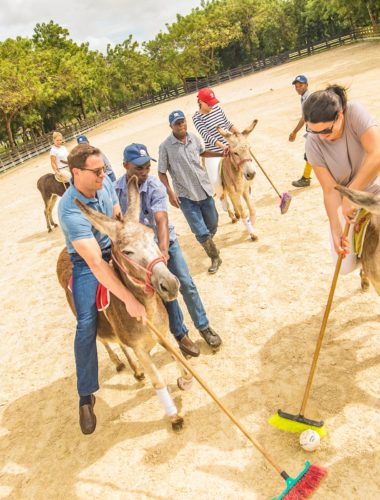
column 206, row 120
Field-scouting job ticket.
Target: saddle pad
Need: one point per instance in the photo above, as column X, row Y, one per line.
column 103, row 297
column 360, row 230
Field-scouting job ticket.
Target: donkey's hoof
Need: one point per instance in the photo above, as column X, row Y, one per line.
column 364, row 281
column 234, row 220
column 365, row 285
column 177, row 423
column 50, row 229
column 120, row 367
column 139, row 376
column 183, row 384
column 254, row 237
column 55, row 225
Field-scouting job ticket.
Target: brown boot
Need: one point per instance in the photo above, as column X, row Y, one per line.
column 187, row 346
column 87, row 418
column 213, row 253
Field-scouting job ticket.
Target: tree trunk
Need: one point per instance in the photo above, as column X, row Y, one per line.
column 81, row 103
column 8, row 121
column 372, row 15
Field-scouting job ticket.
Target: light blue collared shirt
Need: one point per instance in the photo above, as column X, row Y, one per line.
column 74, row 223
column 152, row 200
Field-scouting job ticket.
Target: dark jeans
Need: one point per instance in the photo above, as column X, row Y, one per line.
column 84, row 288
column 177, row 265
column 201, row 216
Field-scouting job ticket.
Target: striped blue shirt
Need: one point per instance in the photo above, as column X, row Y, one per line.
column 206, row 125
column 152, row 200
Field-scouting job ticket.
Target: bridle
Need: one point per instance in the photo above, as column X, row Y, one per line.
column 237, row 165
column 147, row 283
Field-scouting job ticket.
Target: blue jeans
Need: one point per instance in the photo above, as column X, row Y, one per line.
column 201, row 216
column 177, row 265
column 84, row 288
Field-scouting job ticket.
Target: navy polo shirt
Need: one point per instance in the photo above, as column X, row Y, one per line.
column 74, row 223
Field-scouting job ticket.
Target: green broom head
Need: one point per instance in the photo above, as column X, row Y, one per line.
column 296, row 424
column 304, row 484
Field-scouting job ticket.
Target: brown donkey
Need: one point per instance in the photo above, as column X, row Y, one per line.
column 237, row 172
column 50, row 189
column 370, row 258
column 138, row 261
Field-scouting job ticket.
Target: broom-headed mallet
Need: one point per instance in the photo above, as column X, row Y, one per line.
column 297, row 488
column 285, row 198
column 299, row 423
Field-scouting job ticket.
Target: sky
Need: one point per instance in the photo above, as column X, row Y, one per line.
column 98, row 22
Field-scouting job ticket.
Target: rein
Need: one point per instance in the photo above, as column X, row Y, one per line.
column 147, row 283
column 237, row 166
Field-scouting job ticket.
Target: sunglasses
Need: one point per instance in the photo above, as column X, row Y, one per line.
column 97, row 171
column 325, row 131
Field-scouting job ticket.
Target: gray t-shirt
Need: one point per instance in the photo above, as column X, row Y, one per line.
column 190, row 179
column 344, row 157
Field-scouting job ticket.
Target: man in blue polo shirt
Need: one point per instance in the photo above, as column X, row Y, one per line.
column 154, row 214
column 90, row 252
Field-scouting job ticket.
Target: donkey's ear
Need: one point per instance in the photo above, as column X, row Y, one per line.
column 133, row 211
column 225, row 133
column 101, row 222
column 249, row 129
column 369, row 201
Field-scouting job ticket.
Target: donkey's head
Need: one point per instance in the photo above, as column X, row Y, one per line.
column 369, row 201
column 240, row 150
column 135, row 249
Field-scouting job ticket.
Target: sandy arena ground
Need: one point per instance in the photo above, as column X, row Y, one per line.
column 266, row 301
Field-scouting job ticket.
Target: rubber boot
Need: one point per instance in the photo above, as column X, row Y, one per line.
column 213, row 253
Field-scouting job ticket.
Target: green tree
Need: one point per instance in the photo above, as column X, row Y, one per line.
column 19, row 83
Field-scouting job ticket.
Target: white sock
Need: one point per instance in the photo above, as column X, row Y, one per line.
column 166, row 401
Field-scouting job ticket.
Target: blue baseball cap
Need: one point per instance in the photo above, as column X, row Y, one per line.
column 175, row 116
column 136, row 154
column 299, row 79
column 82, row 139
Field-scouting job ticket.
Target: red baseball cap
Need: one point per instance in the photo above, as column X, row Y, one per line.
column 207, row 95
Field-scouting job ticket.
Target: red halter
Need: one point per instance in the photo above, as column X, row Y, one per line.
column 147, row 283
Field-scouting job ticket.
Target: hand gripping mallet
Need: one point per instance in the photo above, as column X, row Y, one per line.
column 286, row 198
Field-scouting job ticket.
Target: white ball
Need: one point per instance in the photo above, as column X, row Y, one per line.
column 309, row 440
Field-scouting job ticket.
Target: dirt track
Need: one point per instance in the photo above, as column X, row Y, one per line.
column 266, row 302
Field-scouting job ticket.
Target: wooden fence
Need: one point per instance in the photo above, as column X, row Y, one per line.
column 29, row 150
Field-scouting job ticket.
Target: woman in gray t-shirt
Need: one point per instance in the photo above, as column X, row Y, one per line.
column 343, row 146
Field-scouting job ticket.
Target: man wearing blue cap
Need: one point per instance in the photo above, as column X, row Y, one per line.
column 154, row 214
column 82, row 139
column 301, row 86
column 192, row 190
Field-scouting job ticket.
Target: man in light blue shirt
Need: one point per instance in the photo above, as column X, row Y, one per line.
column 154, row 214
column 90, row 252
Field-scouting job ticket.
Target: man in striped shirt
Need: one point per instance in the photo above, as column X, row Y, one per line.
column 206, row 120
column 179, row 155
